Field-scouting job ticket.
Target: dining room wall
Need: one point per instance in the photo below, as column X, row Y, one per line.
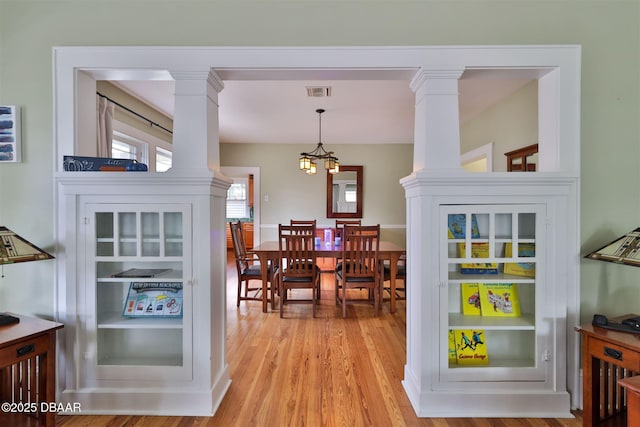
column 509, row 124
column 288, row 193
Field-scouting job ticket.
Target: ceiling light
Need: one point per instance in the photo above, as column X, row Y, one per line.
column 307, row 160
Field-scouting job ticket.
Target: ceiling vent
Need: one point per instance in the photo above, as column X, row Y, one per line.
column 318, row 91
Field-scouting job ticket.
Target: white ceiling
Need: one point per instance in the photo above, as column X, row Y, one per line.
column 376, row 110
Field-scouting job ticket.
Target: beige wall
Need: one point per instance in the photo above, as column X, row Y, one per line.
column 608, row 32
column 293, row 194
column 510, row 124
column 118, row 95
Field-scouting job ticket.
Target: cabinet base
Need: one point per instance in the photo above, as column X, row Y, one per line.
column 160, row 401
column 490, row 404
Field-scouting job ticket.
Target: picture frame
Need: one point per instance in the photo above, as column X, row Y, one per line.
column 10, row 151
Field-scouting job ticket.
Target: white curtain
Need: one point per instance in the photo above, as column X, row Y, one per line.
column 105, row 109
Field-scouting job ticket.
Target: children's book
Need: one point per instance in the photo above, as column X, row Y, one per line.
column 470, row 299
column 478, row 250
column 527, row 269
column 499, row 300
column 154, row 299
column 458, row 226
column 471, row 347
column 452, row 347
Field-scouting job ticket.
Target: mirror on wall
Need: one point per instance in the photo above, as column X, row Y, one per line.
column 344, row 193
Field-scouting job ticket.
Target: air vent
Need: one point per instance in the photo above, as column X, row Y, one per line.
column 318, row 91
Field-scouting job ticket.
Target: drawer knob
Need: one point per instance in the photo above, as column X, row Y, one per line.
column 26, row 349
column 616, row 354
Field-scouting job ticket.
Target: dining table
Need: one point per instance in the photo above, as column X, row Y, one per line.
column 388, row 251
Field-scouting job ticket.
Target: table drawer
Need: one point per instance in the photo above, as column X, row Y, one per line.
column 24, row 350
column 615, row 354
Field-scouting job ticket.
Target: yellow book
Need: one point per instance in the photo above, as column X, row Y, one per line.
column 478, row 250
column 527, row 269
column 452, row 347
column 499, row 300
column 471, row 348
column 470, row 299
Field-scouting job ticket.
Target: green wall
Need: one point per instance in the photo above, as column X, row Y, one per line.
column 293, row 194
column 510, row 124
column 607, row 30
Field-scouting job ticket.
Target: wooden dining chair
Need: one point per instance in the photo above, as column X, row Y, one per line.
column 401, row 274
column 310, row 222
column 340, row 224
column 298, row 269
column 361, row 267
column 248, row 269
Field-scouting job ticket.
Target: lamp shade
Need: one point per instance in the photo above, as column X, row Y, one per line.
column 14, row 248
column 623, row 250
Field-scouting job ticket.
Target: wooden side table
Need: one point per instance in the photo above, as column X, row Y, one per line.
column 28, row 372
column 608, row 358
column 632, row 385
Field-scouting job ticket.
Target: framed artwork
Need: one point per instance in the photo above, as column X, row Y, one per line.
column 10, row 134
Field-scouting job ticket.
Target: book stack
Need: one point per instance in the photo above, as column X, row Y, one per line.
column 527, row 269
column 490, row 299
column 478, row 250
column 468, row 347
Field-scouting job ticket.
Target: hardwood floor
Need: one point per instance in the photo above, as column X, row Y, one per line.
column 301, row 371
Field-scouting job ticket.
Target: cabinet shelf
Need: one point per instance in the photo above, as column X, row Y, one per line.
column 167, row 361
column 457, row 277
column 495, row 364
column 115, row 320
column 460, row 321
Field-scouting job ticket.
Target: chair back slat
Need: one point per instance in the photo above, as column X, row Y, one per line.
column 341, row 223
column 297, row 250
column 239, row 247
column 360, row 252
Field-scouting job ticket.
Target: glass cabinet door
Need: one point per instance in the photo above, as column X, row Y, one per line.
column 139, row 295
column 492, row 293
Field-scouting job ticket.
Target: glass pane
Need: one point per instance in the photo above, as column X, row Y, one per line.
column 526, row 225
column 104, row 234
column 128, row 233
column 122, row 150
column 150, row 233
column 164, row 159
column 173, row 233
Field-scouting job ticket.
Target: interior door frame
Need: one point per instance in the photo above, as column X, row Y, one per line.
column 242, row 171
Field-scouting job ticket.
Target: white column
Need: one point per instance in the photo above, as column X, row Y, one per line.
column 437, row 122
column 196, row 141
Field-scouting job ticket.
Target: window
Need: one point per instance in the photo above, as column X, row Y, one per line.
column 350, row 193
column 163, row 159
column 123, row 150
column 237, row 199
column 131, row 143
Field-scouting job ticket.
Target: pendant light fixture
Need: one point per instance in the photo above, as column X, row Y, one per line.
column 308, row 160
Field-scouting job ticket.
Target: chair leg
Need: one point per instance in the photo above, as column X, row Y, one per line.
column 239, row 292
column 314, row 297
column 344, row 300
column 282, row 296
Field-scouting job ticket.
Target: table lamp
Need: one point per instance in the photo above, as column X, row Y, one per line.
column 13, row 249
column 623, row 250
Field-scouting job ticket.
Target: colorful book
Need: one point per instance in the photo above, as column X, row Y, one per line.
column 452, row 347
column 527, row 269
column 478, row 250
column 471, row 347
column 499, row 300
column 154, row 299
column 458, row 226
column 470, row 299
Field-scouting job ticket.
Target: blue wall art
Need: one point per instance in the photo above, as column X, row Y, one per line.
column 9, row 133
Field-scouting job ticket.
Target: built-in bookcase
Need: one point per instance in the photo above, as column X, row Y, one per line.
column 477, row 253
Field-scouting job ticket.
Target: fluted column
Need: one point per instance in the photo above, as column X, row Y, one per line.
column 196, row 138
column 437, row 120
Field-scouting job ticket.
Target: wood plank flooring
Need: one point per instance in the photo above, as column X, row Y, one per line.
column 300, row 371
